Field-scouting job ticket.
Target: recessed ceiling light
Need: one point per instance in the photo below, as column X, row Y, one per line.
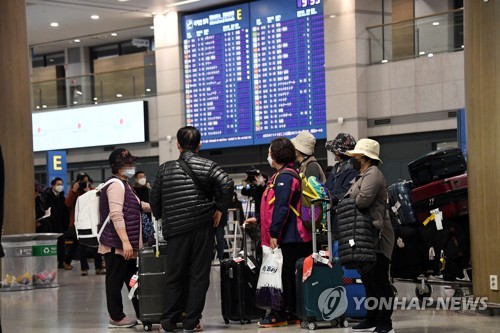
column 76, row 41
column 421, row 53
column 54, row 24
column 462, row 46
column 435, row 23
column 51, row 60
column 38, row 106
column 95, row 17
column 119, row 95
column 151, row 27
column 123, row 0
column 333, row 16
column 114, row 34
column 148, row 90
column 430, row 55
column 44, row 106
column 385, row 61
column 95, row 98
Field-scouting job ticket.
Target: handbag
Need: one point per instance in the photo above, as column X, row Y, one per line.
column 269, row 293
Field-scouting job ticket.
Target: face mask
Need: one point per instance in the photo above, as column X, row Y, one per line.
column 129, row 172
column 356, row 164
column 142, row 181
column 59, row 188
column 270, row 160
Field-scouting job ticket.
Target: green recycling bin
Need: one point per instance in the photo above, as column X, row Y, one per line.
column 17, row 264
column 45, row 260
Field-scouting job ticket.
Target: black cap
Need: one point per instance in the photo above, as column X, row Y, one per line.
column 119, row 157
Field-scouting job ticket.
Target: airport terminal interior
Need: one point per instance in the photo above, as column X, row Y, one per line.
column 105, row 74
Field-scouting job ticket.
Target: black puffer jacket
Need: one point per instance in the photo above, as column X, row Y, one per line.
column 357, row 237
column 178, row 201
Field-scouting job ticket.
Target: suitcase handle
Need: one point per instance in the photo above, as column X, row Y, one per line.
column 328, row 227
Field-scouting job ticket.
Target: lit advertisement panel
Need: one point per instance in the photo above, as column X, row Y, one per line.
column 92, row 126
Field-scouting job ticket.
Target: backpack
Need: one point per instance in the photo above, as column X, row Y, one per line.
column 311, row 189
column 87, row 215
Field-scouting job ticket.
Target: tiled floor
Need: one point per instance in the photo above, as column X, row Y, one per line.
column 79, row 305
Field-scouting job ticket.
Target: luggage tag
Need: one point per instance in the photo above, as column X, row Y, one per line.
column 250, row 264
column 133, row 286
column 319, row 259
column 438, row 218
column 400, row 243
column 351, row 242
column 396, row 207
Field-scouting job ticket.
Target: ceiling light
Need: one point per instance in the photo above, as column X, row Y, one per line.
column 76, row 41
column 421, row 53
column 333, row 16
column 148, row 90
column 51, row 60
column 385, row 61
column 123, row 0
column 95, row 98
column 119, row 95
column 462, row 46
column 75, row 102
column 182, row 3
column 151, row 27
column 114, row 34
column 430, row 55
column 435, row 23
column 38, row 106
column 44, row 106
column 54, row 24
column 95, row 17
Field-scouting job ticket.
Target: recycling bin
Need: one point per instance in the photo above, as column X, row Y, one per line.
column 45, row 260
column 17, row 264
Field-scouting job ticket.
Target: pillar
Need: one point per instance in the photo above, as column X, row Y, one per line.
column 15, row 124
column 482, row 99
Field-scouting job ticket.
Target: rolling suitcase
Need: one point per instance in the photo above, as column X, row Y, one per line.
column 238, row 283
column 151, row 263
column 439, row 164
column 400, row 202
column 449, row 195
column 321, row 297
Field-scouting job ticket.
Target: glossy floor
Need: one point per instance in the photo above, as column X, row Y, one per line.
column 79, row 305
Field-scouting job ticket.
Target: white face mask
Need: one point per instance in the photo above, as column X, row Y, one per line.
column 142, row 181
column 59, row 188
column 270, row 160
column 129, row 172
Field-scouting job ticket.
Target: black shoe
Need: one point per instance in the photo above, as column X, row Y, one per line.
column 386, row 328
column 364, row 326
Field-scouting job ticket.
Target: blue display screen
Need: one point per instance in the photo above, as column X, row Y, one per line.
column 254, row 72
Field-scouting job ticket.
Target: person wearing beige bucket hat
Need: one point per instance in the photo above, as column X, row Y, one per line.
column 304, row 144
column 370, row 193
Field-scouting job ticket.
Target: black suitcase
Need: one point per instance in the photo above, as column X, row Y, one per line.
column 439, row 164
column 401, row 209
column 408, row 255
column 151, row 281
column 238, row 283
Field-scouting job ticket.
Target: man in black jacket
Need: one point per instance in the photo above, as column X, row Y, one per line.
column 190, row 206
column 53, row 197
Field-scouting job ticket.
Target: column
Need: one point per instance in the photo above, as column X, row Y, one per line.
column 15, row 125
column 482, row 91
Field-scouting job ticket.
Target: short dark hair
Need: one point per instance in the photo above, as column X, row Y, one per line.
column 81, row 176
column 137, row 173
column 188, row 138
column 282, row 150
column 55, row 180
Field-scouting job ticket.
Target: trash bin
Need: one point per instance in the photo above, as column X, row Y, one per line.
column 17, row 264
column 45, row 260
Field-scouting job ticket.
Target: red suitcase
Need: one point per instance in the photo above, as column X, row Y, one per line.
column 449, row 195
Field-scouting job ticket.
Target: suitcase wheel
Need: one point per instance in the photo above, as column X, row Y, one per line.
column 335, row 322
column 147, row 326
column 303, row 324
column 423, row 293
column 312, row 326
column 226, row 321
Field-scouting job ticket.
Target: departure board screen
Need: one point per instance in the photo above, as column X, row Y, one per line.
column 255, row 71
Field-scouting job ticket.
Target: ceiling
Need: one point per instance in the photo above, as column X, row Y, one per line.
column 127, row 18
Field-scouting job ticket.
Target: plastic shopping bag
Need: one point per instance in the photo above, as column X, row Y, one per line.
column 269, row 294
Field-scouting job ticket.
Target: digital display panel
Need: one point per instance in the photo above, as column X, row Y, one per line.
column 255, row 71
column 90, row 126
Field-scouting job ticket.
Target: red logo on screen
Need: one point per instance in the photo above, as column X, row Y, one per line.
column 121, row 121
column 79, row 126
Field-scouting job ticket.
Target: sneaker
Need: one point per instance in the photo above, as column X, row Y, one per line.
column 292, row 320
column 198, row 328
column 67, row 267
column 84, row 273
column 364, row 326
column 100, row 271
column 272, row 320
column 125, row 322
column 384, row 329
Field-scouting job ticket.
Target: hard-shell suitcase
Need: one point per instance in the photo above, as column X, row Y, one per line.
column 151, row 281
column 439, row 164
column 449, row 195
column 238, row 284
column 400, row 202
column 322, row 296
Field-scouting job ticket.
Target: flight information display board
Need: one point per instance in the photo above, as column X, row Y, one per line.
column 255, row 71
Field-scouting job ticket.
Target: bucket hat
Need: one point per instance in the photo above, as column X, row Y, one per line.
column 367, row 147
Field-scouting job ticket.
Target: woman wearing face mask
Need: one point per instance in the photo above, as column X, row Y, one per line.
column 59, row 215
column 82, row 185
column 121, row 239
column 279, row 226
column 370, row 194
